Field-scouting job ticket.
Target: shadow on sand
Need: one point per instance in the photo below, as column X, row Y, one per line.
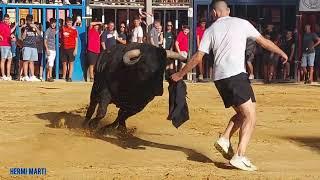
column 73, row 120
column 311, row 142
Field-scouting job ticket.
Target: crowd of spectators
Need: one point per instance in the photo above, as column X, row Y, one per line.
column 34, row 47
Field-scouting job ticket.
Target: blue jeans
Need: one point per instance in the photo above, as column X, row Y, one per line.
column 308, row 59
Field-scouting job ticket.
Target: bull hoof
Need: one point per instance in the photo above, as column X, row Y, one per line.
column 85, row 123
column 106, row 129
column 122, row 129
column 93, row 124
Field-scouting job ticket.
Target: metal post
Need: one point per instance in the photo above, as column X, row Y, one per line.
column 148, row 6
column 44, row 27
column 103, row 18
column 128, row 18
column 115, row 18
column 57, row 62
column 190, row 22
column 297, row 47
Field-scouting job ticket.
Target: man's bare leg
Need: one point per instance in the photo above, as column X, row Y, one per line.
column 248, row 115
column 70, row 69
column 3, row 61
column 64, row 69
column 9, row 67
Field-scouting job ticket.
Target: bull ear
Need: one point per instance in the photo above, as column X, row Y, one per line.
column 128, row 56
column 175, row 55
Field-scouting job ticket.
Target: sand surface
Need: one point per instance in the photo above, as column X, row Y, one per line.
column 40, row 127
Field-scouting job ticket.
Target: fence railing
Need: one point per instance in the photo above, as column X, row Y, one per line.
column 118, row 2
column 170, row 2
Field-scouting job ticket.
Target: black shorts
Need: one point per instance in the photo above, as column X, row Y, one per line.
column 92, row 58
column 235, row 90
column 67, row 55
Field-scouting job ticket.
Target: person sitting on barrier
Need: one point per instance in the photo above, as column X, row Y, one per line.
column 50, row 47
column 30, row 52
column 69, row 37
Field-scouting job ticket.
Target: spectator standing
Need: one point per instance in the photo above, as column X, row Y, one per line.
column 200, row 31
column 310, row 41
column 40, row 44
column 70, row 49
column 160, row 36
column 14, row 55
column 122, row 36
column 137, row 32
column 250, row 52
column 182, row 41
column 5, row 47
column 289, row 48
column 317, row 49
column 109, row 37
column 169, row 37
column 30, row 53
column 93, row 47
column 50, row 47
column 153, row 37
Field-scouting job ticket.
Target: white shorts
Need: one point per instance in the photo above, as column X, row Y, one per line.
column 51, row 57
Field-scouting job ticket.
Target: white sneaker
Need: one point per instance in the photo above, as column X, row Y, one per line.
column 224, row 147
column 241, row 162
column 251, row 77
column 34, row 79
column 26, row 78
column 4, row 78
column 9, row 78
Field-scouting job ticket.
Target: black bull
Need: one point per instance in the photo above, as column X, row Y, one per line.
column 129, row 77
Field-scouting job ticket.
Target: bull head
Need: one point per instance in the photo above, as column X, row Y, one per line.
column 129, row 56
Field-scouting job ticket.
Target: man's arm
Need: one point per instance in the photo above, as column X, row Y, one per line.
column 103, row 39
column 292, row 52
column 198, row 41
column 95, row 23
column 269, row 45
column 177, row 46
column 151, row 37
column 46, row 42
column 14, row 28
column 317, row 42
column 76, row 48
column 194, row 61
column 24, row 34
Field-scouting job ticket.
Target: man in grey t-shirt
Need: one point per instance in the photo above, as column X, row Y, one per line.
column 154, row 34
column 310, row 41
column 50, row 45
column 228, row 43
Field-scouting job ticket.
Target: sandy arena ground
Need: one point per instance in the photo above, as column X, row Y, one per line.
column 39, row 127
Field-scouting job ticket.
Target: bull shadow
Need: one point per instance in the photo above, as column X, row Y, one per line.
column 73, row 120
column 312, row 143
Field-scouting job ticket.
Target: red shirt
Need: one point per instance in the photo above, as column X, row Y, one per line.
column 200, row 32
column 93, row 41
column 5, row 32
column 183, row 41
column 69, row 36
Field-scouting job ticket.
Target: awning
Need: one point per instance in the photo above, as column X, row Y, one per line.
column 309, row 5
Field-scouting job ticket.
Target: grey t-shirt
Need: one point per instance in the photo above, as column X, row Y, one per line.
column 308, row 42
column 50, row 36
column 155, row 36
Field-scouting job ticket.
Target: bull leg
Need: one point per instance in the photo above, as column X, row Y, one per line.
column 90, row 111
column 119, row 124
column 101, row 113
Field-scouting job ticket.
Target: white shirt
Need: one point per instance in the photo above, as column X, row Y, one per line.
column 227, row 39
column 137, row 33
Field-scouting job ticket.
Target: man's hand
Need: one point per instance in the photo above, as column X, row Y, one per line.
column 284, row 58
column 176, row 77
column 74, row 52
column 48, row 53
column 1, row 38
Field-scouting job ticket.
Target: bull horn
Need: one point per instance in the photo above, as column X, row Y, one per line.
column 175, row 55
column 131, row 54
